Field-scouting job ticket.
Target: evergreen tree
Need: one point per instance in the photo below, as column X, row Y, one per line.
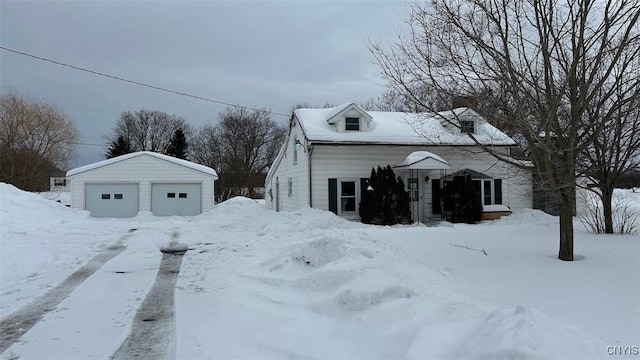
column 462, row 202
column 118, row 147
column 385, row 201
column 178, row 145
column 369, row 204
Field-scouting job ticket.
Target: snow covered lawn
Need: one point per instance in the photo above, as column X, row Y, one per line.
column 306, row 284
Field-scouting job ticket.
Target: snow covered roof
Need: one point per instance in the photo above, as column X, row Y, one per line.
column 335, row 112
column 185, row 163
column 423, row 160
column 400, row 128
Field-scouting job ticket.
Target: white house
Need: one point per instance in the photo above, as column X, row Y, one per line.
column 142, row 181
column 59, row 183
column 329, row 153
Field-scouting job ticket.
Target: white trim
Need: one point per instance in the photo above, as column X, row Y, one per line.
column 180, row 162
column 357, row 196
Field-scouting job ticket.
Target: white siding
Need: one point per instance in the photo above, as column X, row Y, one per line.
column 356, row 161
column 144, row 170
column 286, row 169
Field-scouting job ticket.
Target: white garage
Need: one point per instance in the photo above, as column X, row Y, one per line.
column 142, row 182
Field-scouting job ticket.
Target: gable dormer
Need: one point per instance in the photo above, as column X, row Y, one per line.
column 462, row 120
column 349, row 117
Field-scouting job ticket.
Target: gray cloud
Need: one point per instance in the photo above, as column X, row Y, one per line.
column 259, row 54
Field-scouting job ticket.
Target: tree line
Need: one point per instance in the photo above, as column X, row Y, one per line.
column 38, row 139
column 240, row 146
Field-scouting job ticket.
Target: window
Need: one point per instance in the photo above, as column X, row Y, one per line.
column 171, row 195
column 467, row 126
column 117, row 196
column 60, row 182
column 487, row 192
column 182, row 195
column 352, row 124
column 347, row 196
column 106, row 196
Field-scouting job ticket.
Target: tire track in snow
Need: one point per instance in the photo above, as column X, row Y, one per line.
column 18, row 323
column 153, row 330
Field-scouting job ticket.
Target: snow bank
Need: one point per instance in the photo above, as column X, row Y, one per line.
column 525, row 217
column 525, row 333
column 18, row 206
column 308, row 284
column 62, row 197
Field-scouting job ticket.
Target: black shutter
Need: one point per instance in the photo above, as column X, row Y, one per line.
column 333, row 196
column 435, row 192
column 497, row 187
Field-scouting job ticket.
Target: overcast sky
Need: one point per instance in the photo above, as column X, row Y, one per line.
column 258, row 54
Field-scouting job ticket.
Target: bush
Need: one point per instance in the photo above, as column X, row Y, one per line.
column 626, row 218
column 385, row 200
column 462, row 203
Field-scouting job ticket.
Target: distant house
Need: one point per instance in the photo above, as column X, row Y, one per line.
column 329, row 153
column 142, row 181
column 58, row 182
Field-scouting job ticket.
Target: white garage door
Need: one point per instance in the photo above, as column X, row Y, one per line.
column 176, row 199
column 112, row 200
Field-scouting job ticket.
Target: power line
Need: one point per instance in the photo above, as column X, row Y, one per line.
column 138, row 83
column 89, row 144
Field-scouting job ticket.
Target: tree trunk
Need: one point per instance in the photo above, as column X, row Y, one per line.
column 565, row 205
column 606, row 198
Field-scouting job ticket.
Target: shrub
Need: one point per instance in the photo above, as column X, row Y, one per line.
column 462, row 203
column 385, row 200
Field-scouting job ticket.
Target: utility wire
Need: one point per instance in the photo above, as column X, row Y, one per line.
column 89, row 144
column 139, row 83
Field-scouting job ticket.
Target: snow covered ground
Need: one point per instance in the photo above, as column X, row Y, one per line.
column 309, row 285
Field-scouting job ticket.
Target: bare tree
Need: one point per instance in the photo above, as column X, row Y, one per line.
column 542, row 64
column 394, row 101
column 35, row 138
column 148, row 130
column 241, row 147
column 616, row 150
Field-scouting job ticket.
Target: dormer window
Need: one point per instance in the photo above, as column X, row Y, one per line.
column 352, row 124
column 467, row 126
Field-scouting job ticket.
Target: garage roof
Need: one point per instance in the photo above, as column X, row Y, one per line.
column 185, row 163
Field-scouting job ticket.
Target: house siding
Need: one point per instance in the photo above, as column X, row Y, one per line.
column 356, row 161
column 143, row 170
column 298, row 172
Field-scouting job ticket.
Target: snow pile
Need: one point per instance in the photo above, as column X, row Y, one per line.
column 525, row 333
column 62, row 197
column 323, row 251
column 525, row 217
column 19, row 207
column 308, row 284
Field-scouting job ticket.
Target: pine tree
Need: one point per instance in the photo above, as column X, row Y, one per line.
column 462, row 201
column 119, row 147
column 385, row 201
column 369, row 203
column 178, row 145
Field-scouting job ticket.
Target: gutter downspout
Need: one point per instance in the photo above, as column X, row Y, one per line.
column 310, row 152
